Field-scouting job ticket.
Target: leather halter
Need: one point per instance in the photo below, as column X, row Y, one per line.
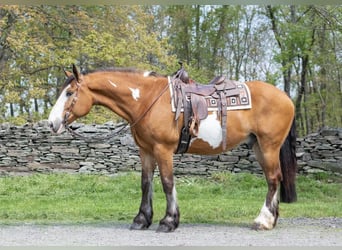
column 73, row 102
column 121, row 128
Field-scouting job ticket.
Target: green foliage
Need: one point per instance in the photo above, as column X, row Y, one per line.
column 16, row 120
column 307, row 54
column 42, row 40
column 222, row 198
column 293, row 47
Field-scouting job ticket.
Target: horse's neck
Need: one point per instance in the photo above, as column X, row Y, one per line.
column 127, row 96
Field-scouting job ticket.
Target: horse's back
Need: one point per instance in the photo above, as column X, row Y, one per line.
column 266, row 94
column 272, row 108
column 271, row 114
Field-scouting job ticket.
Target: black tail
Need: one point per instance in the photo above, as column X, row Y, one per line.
column 288, row 163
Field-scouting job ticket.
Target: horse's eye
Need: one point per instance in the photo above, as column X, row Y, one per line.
column 68, row 94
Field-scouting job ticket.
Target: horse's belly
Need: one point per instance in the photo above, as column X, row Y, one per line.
column 209, row 136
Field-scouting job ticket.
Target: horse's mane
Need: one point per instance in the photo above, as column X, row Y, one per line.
column 123, row 70
column 112, row 69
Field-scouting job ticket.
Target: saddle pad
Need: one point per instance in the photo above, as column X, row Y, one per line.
column 236, row 102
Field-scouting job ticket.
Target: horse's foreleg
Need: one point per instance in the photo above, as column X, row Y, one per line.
column 171, row 220
column 144, row 218
column 269, row 160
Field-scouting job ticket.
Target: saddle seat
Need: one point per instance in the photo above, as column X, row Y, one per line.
column 219, row 83
column 219, row 88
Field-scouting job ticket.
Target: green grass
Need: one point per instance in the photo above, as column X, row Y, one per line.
column 222, row 198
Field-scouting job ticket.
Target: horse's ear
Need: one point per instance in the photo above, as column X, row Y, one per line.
column 76, row 73
column 67, row 73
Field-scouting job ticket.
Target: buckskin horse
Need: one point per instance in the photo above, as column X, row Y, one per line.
column 143, row 99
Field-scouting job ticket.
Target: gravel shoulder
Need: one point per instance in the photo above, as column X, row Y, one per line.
column 289, row 232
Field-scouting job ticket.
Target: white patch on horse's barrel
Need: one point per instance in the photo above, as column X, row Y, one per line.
column 135, row 93
column 210, row 130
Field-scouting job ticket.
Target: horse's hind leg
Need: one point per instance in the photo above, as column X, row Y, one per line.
column 268, row 157
column 144, row 218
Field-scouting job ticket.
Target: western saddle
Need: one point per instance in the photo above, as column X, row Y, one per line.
column 190, row 98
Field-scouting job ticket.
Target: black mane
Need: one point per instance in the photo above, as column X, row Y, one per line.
column 123, row 70
column 113, row 69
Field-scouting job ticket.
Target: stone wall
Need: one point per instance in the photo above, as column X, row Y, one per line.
column 32, row 148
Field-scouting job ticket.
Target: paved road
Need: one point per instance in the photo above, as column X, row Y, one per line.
column 289, row 232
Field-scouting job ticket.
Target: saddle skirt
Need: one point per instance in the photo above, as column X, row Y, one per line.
column 196, row 100
column 237, row 97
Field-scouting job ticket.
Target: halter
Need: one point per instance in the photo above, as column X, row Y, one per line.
column 73, row 102
column 121, row 128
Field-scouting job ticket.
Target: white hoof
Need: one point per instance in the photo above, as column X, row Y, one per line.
column 265, row 220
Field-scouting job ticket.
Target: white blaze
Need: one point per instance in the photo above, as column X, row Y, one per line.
column 210, row 130
column 135, row 93
column 56, row 114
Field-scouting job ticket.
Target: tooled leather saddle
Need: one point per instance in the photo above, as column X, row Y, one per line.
column 194, row 100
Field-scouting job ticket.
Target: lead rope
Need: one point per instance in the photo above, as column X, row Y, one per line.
column 119, row 129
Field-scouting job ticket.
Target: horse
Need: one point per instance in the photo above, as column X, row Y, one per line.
column 143, row 99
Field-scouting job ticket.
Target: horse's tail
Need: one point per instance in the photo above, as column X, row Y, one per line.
column 288, row 163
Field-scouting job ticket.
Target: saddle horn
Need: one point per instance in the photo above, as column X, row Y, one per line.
column 182, row 74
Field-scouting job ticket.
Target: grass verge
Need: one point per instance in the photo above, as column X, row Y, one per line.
column 221, row 198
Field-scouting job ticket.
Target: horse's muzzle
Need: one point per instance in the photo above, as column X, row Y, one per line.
column 56, row 127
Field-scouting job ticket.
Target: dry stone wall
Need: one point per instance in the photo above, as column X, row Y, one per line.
column 32, row 148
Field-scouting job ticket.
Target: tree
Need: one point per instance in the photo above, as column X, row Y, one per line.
column 38, row 42
column 301, row 36
column 297, row 48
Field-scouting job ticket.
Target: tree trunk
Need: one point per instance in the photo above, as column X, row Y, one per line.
column 219, row 35
column 36, row 106
column 11, row 110
column 304, row 86
column 298, row 104
column 287, row 70
column 198, row 37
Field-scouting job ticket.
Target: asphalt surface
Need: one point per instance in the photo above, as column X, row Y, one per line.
column 289, row 232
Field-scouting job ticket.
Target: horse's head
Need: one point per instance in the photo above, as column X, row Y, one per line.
column 74, row 101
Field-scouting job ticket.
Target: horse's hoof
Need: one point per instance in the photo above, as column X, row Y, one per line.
column 140, row 222
column 138, row 226
column 163, row 228
column 259, row 227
